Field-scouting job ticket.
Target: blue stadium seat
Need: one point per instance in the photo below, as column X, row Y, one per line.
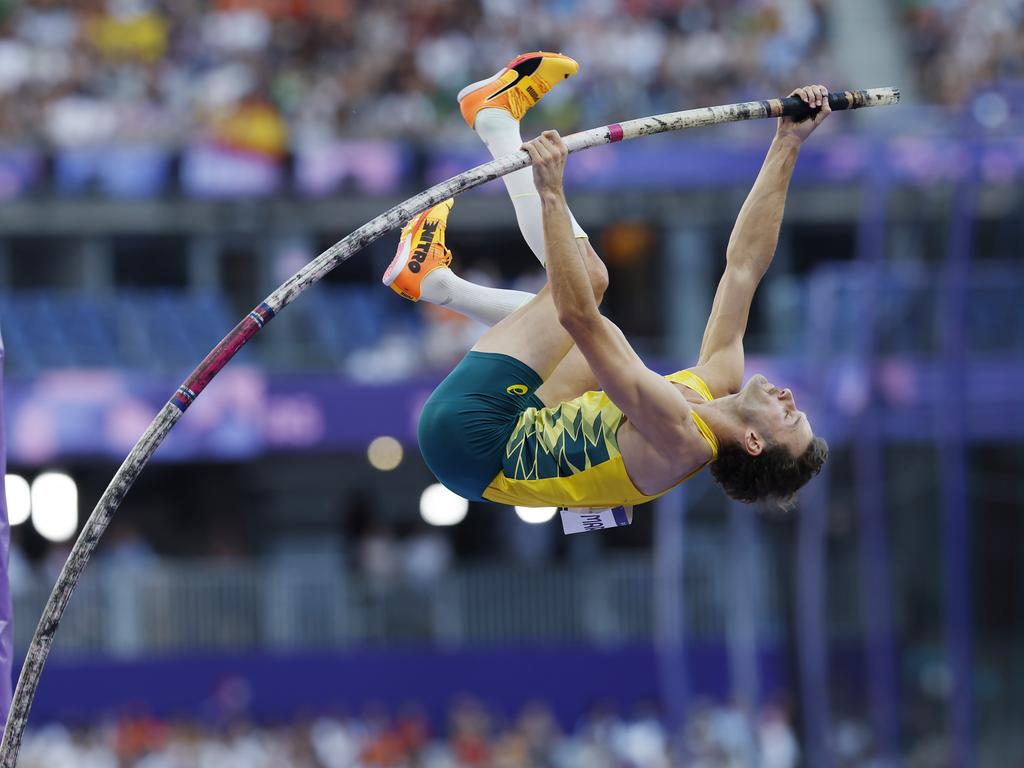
column 170, row 329
column 347, row 318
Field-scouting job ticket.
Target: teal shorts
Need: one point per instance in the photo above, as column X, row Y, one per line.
column 469, row 418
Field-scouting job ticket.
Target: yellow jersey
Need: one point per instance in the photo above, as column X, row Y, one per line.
column 568, row 455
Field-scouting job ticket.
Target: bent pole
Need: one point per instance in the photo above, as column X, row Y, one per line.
column 290, row 290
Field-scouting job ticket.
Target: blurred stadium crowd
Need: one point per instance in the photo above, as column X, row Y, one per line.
column 261, row 74
column 957, row 44
column 267, row 75
column 717, row 737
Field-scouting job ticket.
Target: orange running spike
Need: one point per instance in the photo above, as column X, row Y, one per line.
column 518, row 86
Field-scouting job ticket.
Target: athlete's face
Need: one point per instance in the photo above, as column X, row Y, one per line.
column 772, row 414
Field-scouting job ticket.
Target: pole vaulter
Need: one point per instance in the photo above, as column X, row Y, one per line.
column 343, row 250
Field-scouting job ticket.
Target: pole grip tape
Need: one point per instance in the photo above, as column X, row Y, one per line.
column 795, row 107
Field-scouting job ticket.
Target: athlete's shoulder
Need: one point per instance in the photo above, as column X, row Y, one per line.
column 690, row 379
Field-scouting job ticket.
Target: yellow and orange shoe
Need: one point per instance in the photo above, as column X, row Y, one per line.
column 421, row 250
column 518, row 86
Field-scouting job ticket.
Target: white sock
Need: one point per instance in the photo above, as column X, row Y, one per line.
column 500, row 132
column 486, row 305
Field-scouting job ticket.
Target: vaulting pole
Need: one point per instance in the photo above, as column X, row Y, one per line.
column 299, row 282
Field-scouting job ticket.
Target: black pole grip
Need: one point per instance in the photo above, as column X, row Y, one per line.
column 795, row 107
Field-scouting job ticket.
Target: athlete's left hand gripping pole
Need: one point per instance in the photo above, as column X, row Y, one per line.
column 288, row 292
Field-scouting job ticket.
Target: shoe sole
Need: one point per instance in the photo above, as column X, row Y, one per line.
column 478, row 84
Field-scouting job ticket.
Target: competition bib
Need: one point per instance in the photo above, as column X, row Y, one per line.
column 583, row 520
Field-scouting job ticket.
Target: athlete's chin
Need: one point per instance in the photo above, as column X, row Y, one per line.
column 756, row 382
column 747, row 396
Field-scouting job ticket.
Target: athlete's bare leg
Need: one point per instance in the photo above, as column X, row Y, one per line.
column 533, row 335
column 570, row 379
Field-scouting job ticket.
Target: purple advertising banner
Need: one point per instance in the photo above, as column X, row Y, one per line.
column 20, row 168
column 248, row 412
column 75, row 413
column 119, row 171
column 679, row 163
column 382, row 167
column 209, row 171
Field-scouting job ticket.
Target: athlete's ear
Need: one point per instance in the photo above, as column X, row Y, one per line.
column 753, row 442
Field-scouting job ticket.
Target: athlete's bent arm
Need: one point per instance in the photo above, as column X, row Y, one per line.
column 751, row 249
column 655, row 407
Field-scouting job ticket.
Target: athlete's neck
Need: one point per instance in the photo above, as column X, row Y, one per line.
column 722, row 416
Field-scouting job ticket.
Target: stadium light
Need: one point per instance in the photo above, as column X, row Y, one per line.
column 385, row 453
column 439, row 506
column 536, row 515
column 19, row 499
column 55, row 506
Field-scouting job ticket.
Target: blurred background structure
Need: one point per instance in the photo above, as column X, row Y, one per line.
column 276, row 590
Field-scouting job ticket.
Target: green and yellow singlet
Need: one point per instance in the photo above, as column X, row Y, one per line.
column 568, row 455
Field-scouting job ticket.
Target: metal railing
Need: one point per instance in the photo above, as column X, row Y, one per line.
column 192, row 605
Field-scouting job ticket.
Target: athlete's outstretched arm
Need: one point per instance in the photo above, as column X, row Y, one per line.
column 654, row 406
column 752, row 245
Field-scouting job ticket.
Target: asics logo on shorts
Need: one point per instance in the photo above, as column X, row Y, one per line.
column 517, row 389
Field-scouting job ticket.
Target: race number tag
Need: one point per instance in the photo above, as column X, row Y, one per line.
column 583, row 520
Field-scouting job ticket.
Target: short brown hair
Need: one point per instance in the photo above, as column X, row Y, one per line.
column 772, row 477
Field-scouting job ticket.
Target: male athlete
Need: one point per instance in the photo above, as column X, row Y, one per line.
column 552, row 407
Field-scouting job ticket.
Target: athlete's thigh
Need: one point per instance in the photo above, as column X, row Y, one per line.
column 570, row 379
column 531, row 334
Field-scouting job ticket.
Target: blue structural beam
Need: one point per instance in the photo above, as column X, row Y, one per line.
column 868, row 445
column 742, row 621
column 951, row 420
column 669, row 595
column 811, row 628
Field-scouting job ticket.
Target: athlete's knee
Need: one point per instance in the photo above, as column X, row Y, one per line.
column 596, row 269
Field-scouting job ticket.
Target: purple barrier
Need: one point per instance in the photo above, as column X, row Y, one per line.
column 273, row 687
column 6, row 617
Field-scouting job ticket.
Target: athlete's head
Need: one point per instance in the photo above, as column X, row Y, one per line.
column 777, row 452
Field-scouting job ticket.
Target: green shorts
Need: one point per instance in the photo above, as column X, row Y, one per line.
column 469, row 418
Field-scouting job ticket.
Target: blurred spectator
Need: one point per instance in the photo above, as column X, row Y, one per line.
column 426, row 556
column 379, row 555
column 126, row 547
column 779, row 747
column 20, row 573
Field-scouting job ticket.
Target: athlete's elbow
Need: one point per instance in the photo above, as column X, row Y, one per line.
column 576, row 319
column 747, row 259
